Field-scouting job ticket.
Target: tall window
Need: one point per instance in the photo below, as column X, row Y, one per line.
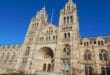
column 54, row 38
column 103, row 55
column 88, row 70
column 105, row 70
column 66, row 52
column 67, row 35
column 71, row 19
column 49, row 67
column 35, row 26
column 52, row 62
column 46, row 38
column 68, row 9
column 49, row 38
column 86, row 44
column 41, row 38
column 100, row 43
column 44, row 67
column 27, row 51
column 64, row 20
column 67, row 20
column 87, row 55
column 65, row 66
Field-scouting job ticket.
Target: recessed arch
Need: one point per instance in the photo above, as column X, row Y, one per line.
column 66, row 50
column 87, row 55
column 103, row 55
column 45, row 52
column 46, row 56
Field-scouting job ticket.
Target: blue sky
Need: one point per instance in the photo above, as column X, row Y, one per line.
column 15, row 16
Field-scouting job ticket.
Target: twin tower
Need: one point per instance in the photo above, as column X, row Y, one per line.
column 48, row 49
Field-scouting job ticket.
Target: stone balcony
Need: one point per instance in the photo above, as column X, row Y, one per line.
column 66, row 57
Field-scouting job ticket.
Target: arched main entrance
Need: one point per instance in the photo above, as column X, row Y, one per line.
column 46, row 56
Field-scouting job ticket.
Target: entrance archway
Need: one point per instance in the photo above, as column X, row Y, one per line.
column 46, row 55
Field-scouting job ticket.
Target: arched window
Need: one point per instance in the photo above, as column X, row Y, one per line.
column 68, row 9
column 105, row 70
column 52, row 62
column 88, row 70
column 44, row 67
column 41, row 38
column 37, row 25
column 27, row 51
column 65, row 65
column 65, row 36
column 49, row 67
column 53, row 37
column 46, row 38
column 71, row 18
column 64, row 20
column 67, row 20
column 86, row 43
column 103, row 55
column 87, row 55
column 66, row 51
column 49, row 38
column 99, row 43
column 68, row 35
column 102, row 43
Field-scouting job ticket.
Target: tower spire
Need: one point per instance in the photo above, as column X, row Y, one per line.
column 51, row 17
column 69, row 0
column 44, row 4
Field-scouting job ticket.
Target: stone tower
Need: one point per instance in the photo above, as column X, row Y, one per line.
column 37, row 24
column 67, row 52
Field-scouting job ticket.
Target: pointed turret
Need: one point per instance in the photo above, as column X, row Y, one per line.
column 69, row 20
column 42, row 15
